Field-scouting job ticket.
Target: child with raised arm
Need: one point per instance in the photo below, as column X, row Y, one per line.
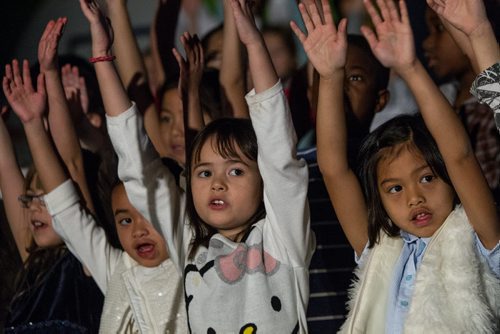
column 468, row 20
column 54, row 292
column 426, row 263
column 142, row 287
column 246, row 250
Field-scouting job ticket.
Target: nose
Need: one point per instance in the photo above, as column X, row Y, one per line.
column 140, row 229
column 414, row 196
column 218, row 184
column 35, row 205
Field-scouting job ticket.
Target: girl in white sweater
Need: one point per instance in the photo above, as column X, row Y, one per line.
column 426, row 263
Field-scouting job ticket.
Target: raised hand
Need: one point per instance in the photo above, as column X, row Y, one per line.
column 100, row 28
column 26, row 102
column 326, row 47
column 465, row 15
column 245, row 23
column 74, row 84
column 393, row 43
column 190, row 79
column 47, row 47
column 191, row 67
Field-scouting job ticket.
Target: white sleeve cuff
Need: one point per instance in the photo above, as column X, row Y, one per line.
column 61, row 198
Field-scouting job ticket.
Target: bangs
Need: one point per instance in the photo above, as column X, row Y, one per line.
column 230, row 138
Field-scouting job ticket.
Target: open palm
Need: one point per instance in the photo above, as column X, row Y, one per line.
column 27, row 103
column 100, row 27
column 47, row 47
column 326, row 47
column 393, row 44
column 465, row 15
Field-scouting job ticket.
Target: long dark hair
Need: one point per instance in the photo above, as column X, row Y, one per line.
column 229, row 135
column 379, row 144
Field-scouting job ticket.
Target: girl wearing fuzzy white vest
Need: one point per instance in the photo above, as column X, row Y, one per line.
column 420, row 215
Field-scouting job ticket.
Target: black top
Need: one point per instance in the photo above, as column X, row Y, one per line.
column 66, row 301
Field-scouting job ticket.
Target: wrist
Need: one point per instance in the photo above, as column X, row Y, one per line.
column 409, row 69
column 32, row 121
column 335, row 75
column 482, row 30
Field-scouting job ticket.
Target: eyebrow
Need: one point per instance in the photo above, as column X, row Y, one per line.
column 120, row 211
column 416, row 170
column 227, row 162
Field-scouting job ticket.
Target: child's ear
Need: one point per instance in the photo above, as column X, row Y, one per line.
column 382, row 99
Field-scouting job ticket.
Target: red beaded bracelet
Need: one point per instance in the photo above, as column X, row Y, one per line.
column 101, row 58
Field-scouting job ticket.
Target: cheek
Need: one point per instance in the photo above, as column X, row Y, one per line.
column 257, row 192
column 389, row 206
column 197, row 192
column 123, row 238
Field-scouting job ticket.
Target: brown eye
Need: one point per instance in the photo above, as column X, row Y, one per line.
column 427, row 178
column 395, row 189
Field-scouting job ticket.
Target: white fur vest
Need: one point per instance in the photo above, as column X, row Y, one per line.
column 455, row 291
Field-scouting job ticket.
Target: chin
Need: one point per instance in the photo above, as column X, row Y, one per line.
column 150, row 263
column 48, row 243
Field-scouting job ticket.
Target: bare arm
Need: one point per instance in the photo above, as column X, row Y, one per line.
column 30, row 106
column 394, row 47
column 60, row 121
column 261, row 67
column 326, row 48
column 11, row 186
column 132, row 70
column 189, row 83
column 190, row 79
column 166, row 20
column 468, row 18
column 233, row 68
column 114, row 97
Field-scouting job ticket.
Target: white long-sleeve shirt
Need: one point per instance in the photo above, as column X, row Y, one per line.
column 137, row 298
column 260, row 283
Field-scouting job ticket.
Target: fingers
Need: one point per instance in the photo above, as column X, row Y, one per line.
column 314, row 13
column 393, row 11
column 342, row 29
column 16, row 73
column 300, row 35
column 40, row 84
column 327, row 12
column 178, row 57
column 306, row 18
column 27, row 76
column 370, row 36
column 48, row 29
column 405, row 17
column 59, row 26
column 384, row 9
column 56, row 33
column 370, row 8
column 193, row 48
column 6, row 87
column 8, row 72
